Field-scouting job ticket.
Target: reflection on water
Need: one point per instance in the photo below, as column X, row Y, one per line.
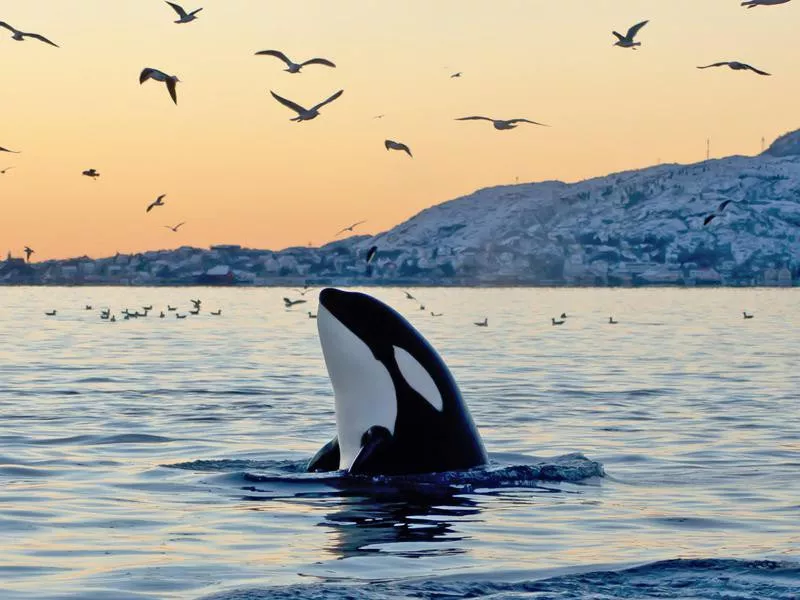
column 162, row 458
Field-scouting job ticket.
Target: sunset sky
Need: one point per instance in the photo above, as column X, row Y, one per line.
column 238, row 171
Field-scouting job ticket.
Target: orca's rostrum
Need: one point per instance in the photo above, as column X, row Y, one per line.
column 398, row 408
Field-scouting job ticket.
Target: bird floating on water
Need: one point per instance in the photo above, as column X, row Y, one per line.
column 216, row 313
column 311, row 315
column 21, row 35
column 93, row 173
column 156, row 75
column 293, row 67
column 557, row 322
column 563, row 315
column 754, row 3
column 433, row 314
column 50, row 313
column 350, row 228
column 171, row 308
column 304, row 114
column 184, row 17
column 746, row 316
column 736, row 66
column 176, row 227
column 392, row 145
column 626, row 41
column 502, row 124
column 484, row 323
column 157, row 202
column 611, row 321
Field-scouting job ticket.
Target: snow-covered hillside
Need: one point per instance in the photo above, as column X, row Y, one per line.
column 638, row 226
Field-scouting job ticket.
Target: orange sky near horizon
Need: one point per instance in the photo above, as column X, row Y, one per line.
column 238, row 171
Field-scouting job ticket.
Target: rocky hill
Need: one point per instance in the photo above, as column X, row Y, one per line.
column 636, row 227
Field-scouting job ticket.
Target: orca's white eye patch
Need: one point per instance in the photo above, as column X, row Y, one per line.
column 418, row 378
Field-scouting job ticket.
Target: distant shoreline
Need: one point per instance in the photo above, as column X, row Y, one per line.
column 397, row 284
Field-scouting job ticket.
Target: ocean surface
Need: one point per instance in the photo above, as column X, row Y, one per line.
column 163, row 458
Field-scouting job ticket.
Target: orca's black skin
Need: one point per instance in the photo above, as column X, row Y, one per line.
column 425, row 440
column 326, row 458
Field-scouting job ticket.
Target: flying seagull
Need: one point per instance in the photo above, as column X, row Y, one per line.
column 626, row 41
column 294, row 67
column 21, row 35
column 156, row 75
column 157, row 202
column 392, row 145
column 3, row 172
column 408, row 295
column 754, row 3
column 455, row 75
column 717, row 213
column 501, row 124
column 353, row 226
column 184, row 16
column 302, row 113
column 371, row 254
column 289, row 303
column 28, row 252
column 736, row 66
column 178, row 226
column 7, row 150
column 91, row 173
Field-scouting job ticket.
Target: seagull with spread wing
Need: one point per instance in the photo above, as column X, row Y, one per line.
column 3, row 171
column 353, row 226
column 156, row 75
column 175, row 229
column 304, row 114
column 157, row 202
column 184, row 17
column 7, row 150
column 736, row 66
column 392, row 145
column 626, row 41
column 21, row 35
column 754, row 3
column 28, row 252
column 293, row 67
column 501, row 124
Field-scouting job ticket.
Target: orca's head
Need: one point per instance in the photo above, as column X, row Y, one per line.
column 371, row 351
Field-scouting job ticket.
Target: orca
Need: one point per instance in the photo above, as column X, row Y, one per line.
column 398, row 408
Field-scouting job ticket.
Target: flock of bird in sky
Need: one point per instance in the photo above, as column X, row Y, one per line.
column 628, row 40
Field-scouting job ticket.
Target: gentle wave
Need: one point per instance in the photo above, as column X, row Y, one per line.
column 679, row 579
